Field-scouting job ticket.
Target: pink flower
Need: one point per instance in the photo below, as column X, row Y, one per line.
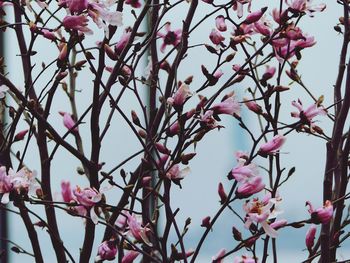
column 48, row 34
column 137, row 231
column 63, row 52
column 272, row 146
column 216, row 37
column 68, row 121
column 207, row 119
column 260, row 212
column 307, row 115
column 206, row 222
column 78, row 23
column 238, row 6
column 170, row 37
column 107, row 250
column 77, row 6
column 220, row 254
column 176, row 175
column 263, row 26
column 269, row 73
column 5, row 185
column 66, row 191
column 124, row 39
column 87, row 197
column 133, row 3
column 20, row 136
column 180, row 96
column 310, row 237
column 253, row 106
column 243, row 172
column 222, row 194
column 305, row 6
column 173, row 129
column 279, row 223
column 321, row 215
column 220, row 23
column 249, row 187
column 255, row 16
column 229, row 106
column 244, row 259
column 130, row 256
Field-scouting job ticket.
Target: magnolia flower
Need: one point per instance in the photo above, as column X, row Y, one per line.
column 48, row 34
column 20, row 135
column 263, row 26
column 124, row 39
column 5, row 185
column 305, row 6
column 238, row 6
column 243, row 172
column 207, row 119
column 268, row 74
column 130, row 256
column 77, row 6
column 3, row 90
column 66, row 191
column 249, row 187
column 176, row 175
column 68, row 121
column 255, row 16
column 321, row 215
column 137, row 231
column 222, row 194
column 220, row 23
column 229, row 106
column 260, row 212
column 88, row 197
column 252, row 105
column 307, row 115
column 244, row 259
column 77, row 22
column 107, row 250
column 310, row 237
column 216, row 37
column 180, row 96
column 134, row 3
column 272, row 146
column 170, row 37
column 279, row 223
column 220, row 254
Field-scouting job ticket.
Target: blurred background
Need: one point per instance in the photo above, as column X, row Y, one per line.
column 215, row 155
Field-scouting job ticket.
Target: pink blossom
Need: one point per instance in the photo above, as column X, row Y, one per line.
column 310, row 237
column 323, row 214
column 137, row 231
column 180, row 96
column 260, row 212
column 48, row 34
column 175, row 174
column 5, row 185
column 68, row 121
column 229, row 106
column 170, row 37
column 87, row 197
column 253, row 106
column 130, row 256
column 124, row 39
column 77, row 22
column 220, row 254
column 273, row 145
column 173, row 129
column 263, row 26
column 222, row 194
column 20, row 135
column 243, row 171
column 255, row 16
column 305, row 6
column 218, row 74
column 77, row 6
column 279, row 223
column 134, row 3
column 66, row 191
column 244, row 259
column 23, row 180
column 249, row 187
column 63, row 52
column 206, row 222
column 107, row 250
column 306, row 116
column 238, row 6
column 269, row 73
column 220, row 23
column 216, row 37
column 207, row 119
